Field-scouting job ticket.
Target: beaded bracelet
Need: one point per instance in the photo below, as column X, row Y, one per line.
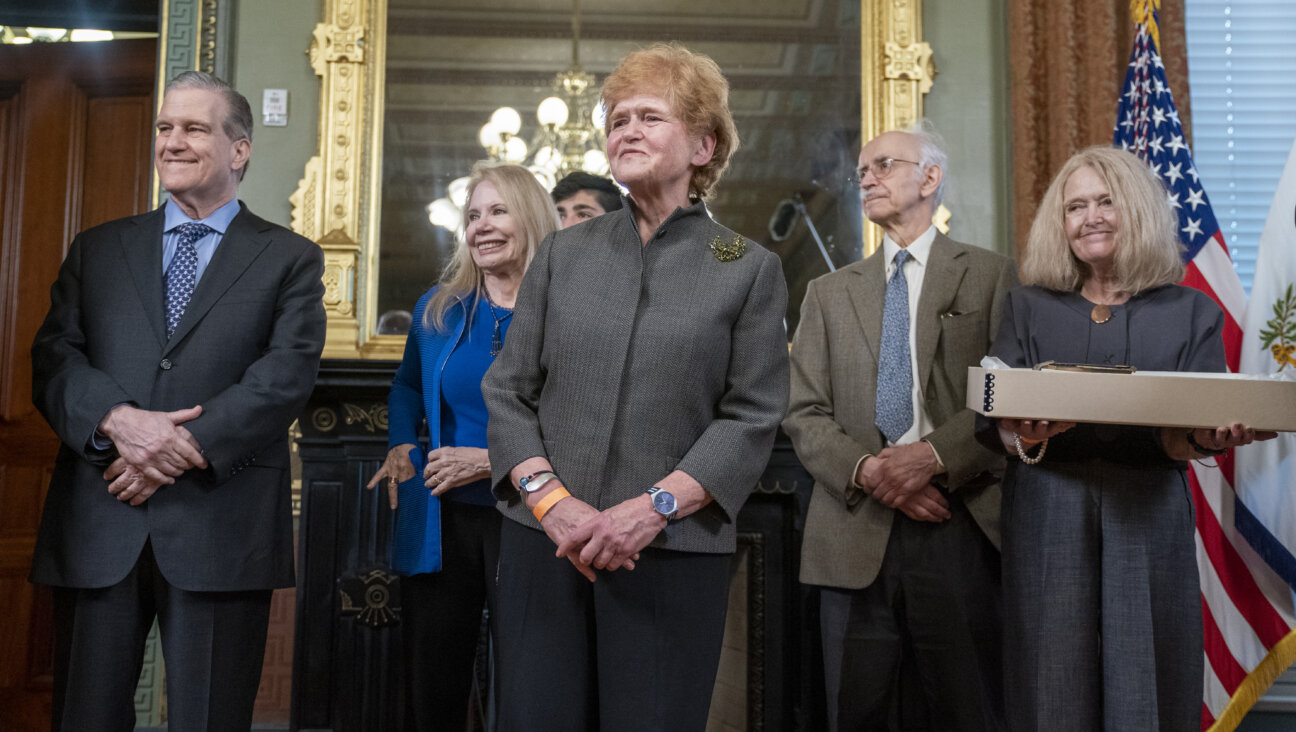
column 1021, row 452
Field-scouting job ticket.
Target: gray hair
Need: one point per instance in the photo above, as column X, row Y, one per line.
column 237, row 125
column 1147, row 238
column 931, row 151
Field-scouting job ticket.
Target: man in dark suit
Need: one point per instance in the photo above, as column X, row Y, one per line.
column 902, row 530
column 178, row 348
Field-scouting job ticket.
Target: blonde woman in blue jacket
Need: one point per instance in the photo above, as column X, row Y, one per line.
column 458, row 329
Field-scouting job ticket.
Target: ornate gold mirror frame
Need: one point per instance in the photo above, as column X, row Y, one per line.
column 336, row 202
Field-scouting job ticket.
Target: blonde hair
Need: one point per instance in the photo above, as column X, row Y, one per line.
column 534, row 217
column 691, row 83
column 1147, row 240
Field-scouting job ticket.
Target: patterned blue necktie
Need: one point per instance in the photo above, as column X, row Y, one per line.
column 183, row 272
column 894, row 413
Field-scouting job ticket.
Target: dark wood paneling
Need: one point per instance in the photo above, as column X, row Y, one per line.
column 117, row 160
column 274, row 696
column 74, row 138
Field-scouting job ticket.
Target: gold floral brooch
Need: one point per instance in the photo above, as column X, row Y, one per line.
column 729, row 251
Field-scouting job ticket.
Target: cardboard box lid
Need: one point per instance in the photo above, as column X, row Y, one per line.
column 1160, row 398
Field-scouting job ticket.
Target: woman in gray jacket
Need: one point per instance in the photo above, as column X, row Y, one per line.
column 631, row 413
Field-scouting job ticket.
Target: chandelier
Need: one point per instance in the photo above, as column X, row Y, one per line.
column 569, row 137
column 18, row 35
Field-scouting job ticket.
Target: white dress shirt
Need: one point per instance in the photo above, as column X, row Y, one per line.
column 915, row 268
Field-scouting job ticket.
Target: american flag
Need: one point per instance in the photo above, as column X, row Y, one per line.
column 1247, row 612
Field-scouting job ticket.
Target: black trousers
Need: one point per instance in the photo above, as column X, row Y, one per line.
column 441, row 616
column 934, row 608
column 213, row 644
column 635, row 650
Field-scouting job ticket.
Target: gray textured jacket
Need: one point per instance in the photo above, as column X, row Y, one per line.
column 626, row 362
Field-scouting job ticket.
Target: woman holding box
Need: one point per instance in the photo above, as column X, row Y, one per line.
column 1101, row 600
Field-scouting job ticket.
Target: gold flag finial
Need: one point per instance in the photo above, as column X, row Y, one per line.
column 1142, row 12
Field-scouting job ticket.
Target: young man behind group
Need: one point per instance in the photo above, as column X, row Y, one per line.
column 582, row 196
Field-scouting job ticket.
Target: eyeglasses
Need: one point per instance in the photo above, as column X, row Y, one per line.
column 881, row 169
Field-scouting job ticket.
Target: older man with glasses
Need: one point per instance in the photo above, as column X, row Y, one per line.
column 902, row 532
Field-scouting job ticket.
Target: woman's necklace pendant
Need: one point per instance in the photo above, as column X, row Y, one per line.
column 1100, row 314
column 497, row 341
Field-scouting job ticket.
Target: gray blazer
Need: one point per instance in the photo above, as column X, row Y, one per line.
column 626, row 361
column 247, row 350
column 834, row 383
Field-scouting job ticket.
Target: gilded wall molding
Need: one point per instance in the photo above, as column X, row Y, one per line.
column 207, row 36
column 178, row 41
column 897, row 71
column 216, row 31
column 178, row 44
column 327, row 205
column 195, row 36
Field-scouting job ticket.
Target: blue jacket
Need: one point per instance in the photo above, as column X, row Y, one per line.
column 416, row 395
column 416, row 389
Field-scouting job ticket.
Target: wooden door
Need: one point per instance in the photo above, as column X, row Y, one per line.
column 75, row 121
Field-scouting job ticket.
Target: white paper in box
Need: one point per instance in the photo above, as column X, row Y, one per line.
column 1165, row 398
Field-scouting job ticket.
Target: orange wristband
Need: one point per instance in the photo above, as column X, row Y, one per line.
column 546, row 503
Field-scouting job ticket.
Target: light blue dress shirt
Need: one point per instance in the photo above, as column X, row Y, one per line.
column 206, row 246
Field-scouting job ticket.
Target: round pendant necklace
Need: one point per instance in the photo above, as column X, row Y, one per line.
column 497, row 341
column 1100, row 314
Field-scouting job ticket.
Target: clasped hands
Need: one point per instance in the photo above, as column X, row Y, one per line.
column 901, row 477
column 153, row 449
column 610, row 539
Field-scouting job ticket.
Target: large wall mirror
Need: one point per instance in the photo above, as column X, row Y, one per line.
column 408, row 85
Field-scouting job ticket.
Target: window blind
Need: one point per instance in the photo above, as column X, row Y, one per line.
column 1242, row 74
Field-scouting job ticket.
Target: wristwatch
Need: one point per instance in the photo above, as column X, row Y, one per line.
column 535, row 481
column 664, row 502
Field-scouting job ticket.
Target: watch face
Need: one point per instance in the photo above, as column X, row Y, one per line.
column 664, row 502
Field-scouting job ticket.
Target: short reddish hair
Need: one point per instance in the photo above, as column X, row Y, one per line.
column 691, row 83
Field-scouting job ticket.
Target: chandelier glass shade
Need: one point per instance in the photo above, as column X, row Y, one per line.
column 569, row 135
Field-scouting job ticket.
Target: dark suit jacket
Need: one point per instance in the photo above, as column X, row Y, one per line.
column 247, row 350
column 834, row 383
column 626, row 361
